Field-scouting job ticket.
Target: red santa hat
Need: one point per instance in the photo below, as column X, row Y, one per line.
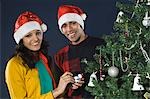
column 26, row 22
column 68, row 13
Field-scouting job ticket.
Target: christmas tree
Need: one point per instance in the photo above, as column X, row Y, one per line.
column 123, row 64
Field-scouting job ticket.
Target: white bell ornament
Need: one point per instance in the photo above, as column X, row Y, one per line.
column 137, row 86
column 146, row 20
column 148, row 2
column 119, row 20
column 92, row 77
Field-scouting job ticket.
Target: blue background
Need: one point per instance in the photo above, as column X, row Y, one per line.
column 101, row 15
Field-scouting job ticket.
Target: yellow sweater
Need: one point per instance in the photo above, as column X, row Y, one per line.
column 22, row 82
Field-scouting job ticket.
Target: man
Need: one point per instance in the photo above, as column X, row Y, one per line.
column 71, row 24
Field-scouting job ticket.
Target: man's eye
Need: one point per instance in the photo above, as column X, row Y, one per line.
column 64, row 25
column 74, row 22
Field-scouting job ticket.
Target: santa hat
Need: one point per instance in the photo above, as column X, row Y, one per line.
column 26, row 22
column 68, row 13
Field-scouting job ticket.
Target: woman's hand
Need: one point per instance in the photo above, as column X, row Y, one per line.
column 64, row 80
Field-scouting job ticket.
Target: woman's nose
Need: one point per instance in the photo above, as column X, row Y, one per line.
column 35, row 37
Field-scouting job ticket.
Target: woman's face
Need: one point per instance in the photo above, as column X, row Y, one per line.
column 33, row 40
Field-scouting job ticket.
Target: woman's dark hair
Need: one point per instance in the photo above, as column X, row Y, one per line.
column 27, row 55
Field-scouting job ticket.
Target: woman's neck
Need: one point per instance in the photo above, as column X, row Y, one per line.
column 36, row 55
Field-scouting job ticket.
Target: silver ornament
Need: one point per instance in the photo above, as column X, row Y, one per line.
column 113, row 71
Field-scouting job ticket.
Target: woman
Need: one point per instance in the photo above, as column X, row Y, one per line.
column 28, row 73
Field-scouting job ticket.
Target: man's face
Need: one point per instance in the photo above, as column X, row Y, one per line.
column 73, row 31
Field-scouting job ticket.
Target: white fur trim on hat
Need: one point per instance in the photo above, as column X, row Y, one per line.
column 26, row 28
column 70, row 17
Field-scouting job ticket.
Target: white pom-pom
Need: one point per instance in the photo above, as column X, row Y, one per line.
column 83, row 16
column 44, row 27
column 76, row 78
column 80, row 76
